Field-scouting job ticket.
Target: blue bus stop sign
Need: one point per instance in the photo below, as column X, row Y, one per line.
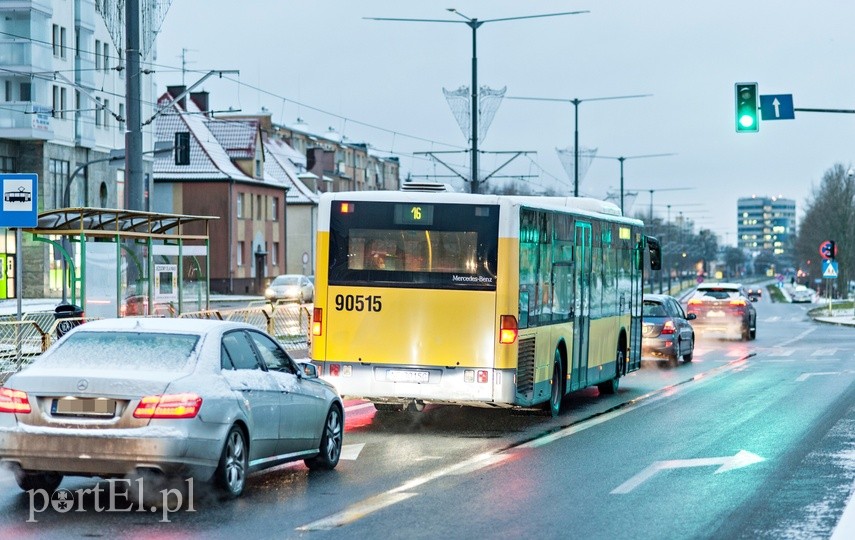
column 20, row 200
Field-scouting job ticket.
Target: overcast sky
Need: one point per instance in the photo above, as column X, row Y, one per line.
column 324, row 62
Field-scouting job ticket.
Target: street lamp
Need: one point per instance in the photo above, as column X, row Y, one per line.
column 474, row 24
column 621, row 159
column 576, row 102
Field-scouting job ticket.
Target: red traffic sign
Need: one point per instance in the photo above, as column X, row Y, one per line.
column 826, row 248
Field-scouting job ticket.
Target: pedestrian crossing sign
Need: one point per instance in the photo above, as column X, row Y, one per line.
column 829, row 268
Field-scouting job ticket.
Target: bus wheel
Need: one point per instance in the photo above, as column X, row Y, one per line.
column 556, row 396
column 611, row 386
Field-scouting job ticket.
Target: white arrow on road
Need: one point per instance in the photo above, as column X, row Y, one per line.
column 776, row 104
column 741, row 459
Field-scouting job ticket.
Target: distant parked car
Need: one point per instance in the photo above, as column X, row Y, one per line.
column 723, row 308
column 801, row 294
column 290, row 288
column 666, row 332
column 131, row 396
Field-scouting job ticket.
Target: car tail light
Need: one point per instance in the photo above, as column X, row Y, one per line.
column 317, row 319
column 695, row 302
column 169, row 406
column 668, row 328
column 14, row 401
column 508, row 329
column 738, row 302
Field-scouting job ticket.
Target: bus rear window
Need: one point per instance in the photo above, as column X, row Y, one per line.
column 441, row 246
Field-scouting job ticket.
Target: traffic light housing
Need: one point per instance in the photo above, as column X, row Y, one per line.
column 182, row 148
column 747, row 112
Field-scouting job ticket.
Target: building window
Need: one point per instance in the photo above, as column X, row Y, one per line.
column 239, row 254
column 99, row 113
column 26, row 90
column 56, row 108
column 7, row 87
column 121, row 112
column 59, row 173
column 274, row 209
column 63, row 102
column 63, row 45
column 98, row 55
column 55, row 41
column 106, row 113
column 258, row 208
column 7, row 164
column 106, row 57
column 240, row 206
column 274, row 255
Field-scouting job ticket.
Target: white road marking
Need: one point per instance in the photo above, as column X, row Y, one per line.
column 798, row 337
column 824, row 352
column 400, row 493
column 351, row 451
column 781, row 352
column 741, row 459
column 845, row 528
column 806, row 376
column 352, row 408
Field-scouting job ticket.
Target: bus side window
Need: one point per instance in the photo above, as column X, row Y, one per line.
column 523, row 309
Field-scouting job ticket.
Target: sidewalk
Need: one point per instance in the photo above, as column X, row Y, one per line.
column 840, row 317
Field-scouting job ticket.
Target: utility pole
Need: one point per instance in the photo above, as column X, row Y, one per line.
column 136, row 198
column 474, row 24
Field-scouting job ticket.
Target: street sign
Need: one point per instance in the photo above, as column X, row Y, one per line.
column 777, row 107
column 20, row 200
column 828, row 250
column 829, row 269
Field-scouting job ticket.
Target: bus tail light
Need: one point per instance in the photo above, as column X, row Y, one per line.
column 483, row 376
column 668, row 328
column 335, row 369
column 508, row 329
column 317, row 319
column 14, row 401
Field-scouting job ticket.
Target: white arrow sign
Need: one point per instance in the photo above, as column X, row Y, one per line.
column 777, row 105
column 741, row 459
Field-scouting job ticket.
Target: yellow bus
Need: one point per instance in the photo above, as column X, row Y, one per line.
column 428, row 296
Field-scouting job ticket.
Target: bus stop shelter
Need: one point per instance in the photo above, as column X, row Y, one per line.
column 119, row 263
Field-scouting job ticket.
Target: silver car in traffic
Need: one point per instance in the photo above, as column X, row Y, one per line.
column 209, row 399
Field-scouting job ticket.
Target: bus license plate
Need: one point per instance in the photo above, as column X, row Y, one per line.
column 402, row 375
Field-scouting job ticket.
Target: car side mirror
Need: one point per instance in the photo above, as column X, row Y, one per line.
column 310, row 370
column 691, row 317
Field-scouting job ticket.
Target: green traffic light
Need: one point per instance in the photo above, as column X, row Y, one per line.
column 746, row 121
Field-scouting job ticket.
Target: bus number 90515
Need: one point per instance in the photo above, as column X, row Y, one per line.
column 357, row 302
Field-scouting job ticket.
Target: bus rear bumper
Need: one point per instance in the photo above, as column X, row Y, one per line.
column 400, row 383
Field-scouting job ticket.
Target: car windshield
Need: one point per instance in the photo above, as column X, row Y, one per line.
column 718, row 294
column 286, row 280
column 653, row 309
column 134, row 351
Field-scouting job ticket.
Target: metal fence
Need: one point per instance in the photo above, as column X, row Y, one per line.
column 21, row 341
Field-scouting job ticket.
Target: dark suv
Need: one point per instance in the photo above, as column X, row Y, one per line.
column 725, row 309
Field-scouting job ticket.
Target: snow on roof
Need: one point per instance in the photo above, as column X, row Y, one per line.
column 279, row 165
column 237, row 137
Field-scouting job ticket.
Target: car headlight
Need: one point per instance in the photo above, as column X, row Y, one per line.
column 269, row 293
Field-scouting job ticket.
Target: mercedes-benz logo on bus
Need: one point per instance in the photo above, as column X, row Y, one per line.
column 82, row 384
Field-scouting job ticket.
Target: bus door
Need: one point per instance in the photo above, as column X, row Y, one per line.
column 581, row 304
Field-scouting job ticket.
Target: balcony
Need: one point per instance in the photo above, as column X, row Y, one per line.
column 19, row 122
column 27, row 56
column 43, row 6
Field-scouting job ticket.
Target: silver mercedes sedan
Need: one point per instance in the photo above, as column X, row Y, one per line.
column 213, row 400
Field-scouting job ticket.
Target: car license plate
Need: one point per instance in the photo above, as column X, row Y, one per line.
column 70, row 406
column 715, row 314
column 406, row 375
